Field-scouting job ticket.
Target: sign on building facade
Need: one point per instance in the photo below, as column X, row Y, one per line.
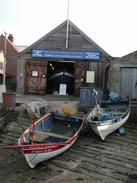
column 68, row 54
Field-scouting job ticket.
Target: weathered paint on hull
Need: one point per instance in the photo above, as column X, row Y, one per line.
column 34, row 159
column 105, row 129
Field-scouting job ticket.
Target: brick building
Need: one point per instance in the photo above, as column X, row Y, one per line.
column 11, row 59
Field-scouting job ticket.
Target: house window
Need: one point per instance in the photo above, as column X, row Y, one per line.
column 1, row 66
column 35, row 73
column 1, row 79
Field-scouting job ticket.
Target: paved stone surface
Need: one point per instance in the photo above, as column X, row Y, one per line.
column 55, row 102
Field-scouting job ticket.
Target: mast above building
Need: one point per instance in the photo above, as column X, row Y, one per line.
column 67, row 25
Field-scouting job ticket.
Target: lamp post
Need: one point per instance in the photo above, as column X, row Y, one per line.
column 5, row 50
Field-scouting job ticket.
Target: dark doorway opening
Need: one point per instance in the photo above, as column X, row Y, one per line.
column 60, row 73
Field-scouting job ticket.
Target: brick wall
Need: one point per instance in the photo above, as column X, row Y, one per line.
column 11, row 57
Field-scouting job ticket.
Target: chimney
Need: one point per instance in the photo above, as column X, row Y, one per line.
column 11, row 38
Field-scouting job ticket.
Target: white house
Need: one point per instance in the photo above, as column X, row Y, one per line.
column 2, row 86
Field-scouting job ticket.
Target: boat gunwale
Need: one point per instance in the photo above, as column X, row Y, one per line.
column 61, row 144
column 111, row 121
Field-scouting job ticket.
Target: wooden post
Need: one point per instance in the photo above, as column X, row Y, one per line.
column 96, row 101
column 33, row 127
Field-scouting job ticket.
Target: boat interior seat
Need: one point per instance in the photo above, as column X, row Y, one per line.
column 40, row 136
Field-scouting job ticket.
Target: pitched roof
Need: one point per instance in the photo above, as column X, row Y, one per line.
column 13, row 45
column 2, row 38
column 21, row 47
column 64, row 24
column 130, row 54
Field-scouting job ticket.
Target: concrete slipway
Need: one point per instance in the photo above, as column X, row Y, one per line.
column 90, row 160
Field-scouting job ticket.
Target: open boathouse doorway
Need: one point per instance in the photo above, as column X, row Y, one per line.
column 47, row 64
column 60, row 73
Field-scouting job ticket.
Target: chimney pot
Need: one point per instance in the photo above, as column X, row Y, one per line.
column 11, row 38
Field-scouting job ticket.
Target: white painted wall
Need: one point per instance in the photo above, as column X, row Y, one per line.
column 2, row 61
column 2, row 90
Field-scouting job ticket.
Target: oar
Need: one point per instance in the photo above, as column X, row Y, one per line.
column 33, row 127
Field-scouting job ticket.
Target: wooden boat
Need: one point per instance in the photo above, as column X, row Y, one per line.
column 49, row 136
column 61, row 78
column 107, row 117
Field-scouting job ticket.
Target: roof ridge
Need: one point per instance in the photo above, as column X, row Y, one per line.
column 96, row 46
column 13, row 45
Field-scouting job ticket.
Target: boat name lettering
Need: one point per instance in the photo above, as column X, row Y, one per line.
column 41, row 151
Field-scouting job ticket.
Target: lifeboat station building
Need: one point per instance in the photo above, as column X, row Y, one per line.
column 61, row 62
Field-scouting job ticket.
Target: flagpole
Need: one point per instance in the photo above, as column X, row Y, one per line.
column 67, row 25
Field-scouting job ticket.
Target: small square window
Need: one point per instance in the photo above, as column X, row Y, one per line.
column 35, row 73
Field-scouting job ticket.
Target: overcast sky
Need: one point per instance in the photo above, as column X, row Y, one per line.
column 112, row 24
